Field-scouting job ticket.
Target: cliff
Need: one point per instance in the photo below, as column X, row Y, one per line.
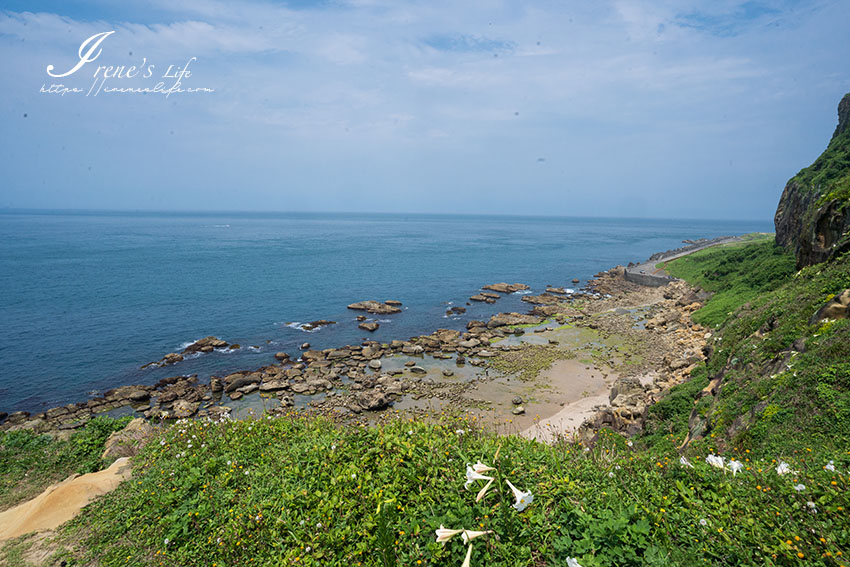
column 813, row 216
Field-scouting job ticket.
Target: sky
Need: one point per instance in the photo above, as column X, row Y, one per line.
column 623, row 108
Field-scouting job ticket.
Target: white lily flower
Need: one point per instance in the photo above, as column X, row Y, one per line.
column 572, row 562
column 472, row 475
column 715, row 461
column 783, row 468
column 483, row 491
column 735, row 466
column 444, row 534
column 469, row 535
column 468, row 557
column 480, row 467
column 523, row 499
column 685, row 462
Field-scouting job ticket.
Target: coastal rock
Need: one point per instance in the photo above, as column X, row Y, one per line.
column 274, row 385
column 448, row 372
column 482, row 298
column 207, row 344
column 237, row 381
column 170, row 358
column 305, row 346
column 313, row 325
column 393, row 302
column 508, row 319
column 519, row 410
column 542, row 299
column 281, row 356
column 812, row 217
column 372, row 400
column 506, row 288
column 128, row 441
column 417, row 370
column 627, row 391
column 836, row 308
column 183, row 408
column 374, row 364
column 456, row 310
column 370, row 326
column 376, row 307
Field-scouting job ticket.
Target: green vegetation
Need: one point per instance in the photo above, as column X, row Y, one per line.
column 735, row 273
column 30, row 462
column 830, row 171
column 293, row 491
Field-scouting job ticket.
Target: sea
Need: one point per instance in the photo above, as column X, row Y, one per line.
column 87, row 298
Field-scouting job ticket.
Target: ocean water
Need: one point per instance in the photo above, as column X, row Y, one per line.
column 88, row 298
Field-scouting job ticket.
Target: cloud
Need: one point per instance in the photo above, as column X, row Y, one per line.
column 609, row 93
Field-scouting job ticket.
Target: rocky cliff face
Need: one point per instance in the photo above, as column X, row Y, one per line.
column 813, row 216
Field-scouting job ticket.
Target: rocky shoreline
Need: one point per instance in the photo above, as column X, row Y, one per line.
column 639, row 341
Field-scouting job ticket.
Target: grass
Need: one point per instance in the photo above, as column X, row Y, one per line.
column 735, row 273
column 296, row 491
column 29, row 462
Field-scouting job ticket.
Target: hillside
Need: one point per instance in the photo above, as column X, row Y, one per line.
column 813, row 216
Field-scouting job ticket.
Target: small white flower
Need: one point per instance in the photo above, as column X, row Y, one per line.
column 410, row 432
column 309, row 549
column 162, row 442
column 799, row 487
column 480, row 467
column 472, row 475
column 735, row 466
column 702, row 522
column 353, row 475
column 483, row 491
column 319, row 526
column 572, row 562
column 468, row 557
column 166, row 542
column 523, row 499
column 783, row 468
column 444, row 534
column 629, row 443
column 812, row 506
column 715, row 461
column 301, row 523
column 460, row 431
column 333, row 447
column 229, row 463
column 830, row 466
column 611, row 474
column 685, row 462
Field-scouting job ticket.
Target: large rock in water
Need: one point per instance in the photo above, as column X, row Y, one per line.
column 813, row 216
column 376, row 307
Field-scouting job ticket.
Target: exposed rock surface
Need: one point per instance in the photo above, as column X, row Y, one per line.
column 813, row 216
column 376, row 307
column 505, row 287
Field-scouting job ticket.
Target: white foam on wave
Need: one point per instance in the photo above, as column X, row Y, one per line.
column 221, row 226
column 299, row 326
column 227, row 350
column 570, row 290
column 523, row 292
column 383, row 320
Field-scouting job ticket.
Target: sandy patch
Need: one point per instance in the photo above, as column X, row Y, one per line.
column 581, row 389
column 61, row 502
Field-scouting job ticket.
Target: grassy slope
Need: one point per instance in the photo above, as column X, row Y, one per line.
column 29, row 463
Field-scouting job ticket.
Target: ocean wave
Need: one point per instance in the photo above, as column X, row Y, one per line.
column 221, row 226
column 383, row 320
column 569, row 290
column 523, row 292
column 300, row 326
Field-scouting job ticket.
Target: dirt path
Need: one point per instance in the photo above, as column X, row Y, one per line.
column 61, row 502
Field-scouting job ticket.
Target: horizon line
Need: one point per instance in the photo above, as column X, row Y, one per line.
column 175, row 212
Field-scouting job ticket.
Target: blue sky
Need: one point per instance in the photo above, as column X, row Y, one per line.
column 678, row 109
